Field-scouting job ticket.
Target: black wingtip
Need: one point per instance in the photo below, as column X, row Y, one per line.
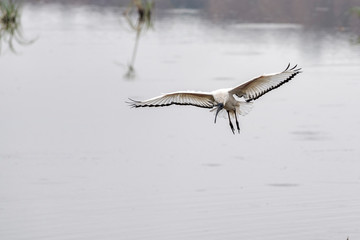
column 132, row 100
column 294, row 68
column 132, row 103
column 287, row 67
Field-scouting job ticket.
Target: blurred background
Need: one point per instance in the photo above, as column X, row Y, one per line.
column 320, row 13
column 76, row 162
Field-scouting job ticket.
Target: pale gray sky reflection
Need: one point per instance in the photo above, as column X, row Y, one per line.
column 77, row 163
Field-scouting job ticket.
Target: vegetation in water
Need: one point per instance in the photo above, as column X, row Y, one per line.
column 142, row 22
column 356, row 11
column 10, row 25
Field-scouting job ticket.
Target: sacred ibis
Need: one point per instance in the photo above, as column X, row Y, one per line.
column 236, row 101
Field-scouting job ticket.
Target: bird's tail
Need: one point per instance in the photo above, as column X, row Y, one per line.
column 244, row 108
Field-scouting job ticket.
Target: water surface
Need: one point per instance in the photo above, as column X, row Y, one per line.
column 78, row 163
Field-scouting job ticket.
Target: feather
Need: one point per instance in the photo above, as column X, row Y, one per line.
column 259, row 86
column 198, row 99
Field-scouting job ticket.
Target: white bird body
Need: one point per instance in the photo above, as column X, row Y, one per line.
column 223, row 96
column 236, row 101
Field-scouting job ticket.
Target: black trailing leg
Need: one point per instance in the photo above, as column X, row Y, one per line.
column 237, row 123
column 231, row 125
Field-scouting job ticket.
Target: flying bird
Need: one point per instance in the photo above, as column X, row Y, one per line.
column 236, row 101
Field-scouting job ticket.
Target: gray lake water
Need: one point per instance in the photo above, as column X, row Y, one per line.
column 78, row 163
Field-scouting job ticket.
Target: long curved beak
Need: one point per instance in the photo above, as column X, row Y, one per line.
column 220, row 107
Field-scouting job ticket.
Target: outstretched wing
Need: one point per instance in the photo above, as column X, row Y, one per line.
column 198, row 99
column 257, row 87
